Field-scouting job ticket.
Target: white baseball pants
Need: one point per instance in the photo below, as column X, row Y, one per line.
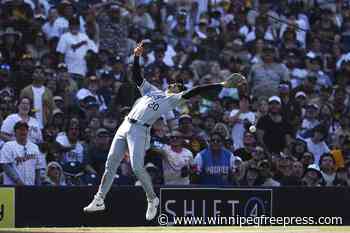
column 136, row 138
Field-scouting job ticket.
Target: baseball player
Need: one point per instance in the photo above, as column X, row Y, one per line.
column 134, row 132
column 20, row 159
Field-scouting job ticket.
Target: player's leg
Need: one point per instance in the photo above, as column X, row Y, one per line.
column 115, row 156
column 137, row 146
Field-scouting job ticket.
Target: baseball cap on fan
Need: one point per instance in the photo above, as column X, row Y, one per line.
column 184, row 117
column 21, row 124
column 102, row 131
column 275, row 99
column 300, row 94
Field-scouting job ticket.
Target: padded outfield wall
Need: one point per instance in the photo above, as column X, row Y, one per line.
column 62, row 206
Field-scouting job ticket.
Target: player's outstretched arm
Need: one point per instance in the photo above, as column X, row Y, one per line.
column 202, row 89
column 233, row 81
column 136, row 70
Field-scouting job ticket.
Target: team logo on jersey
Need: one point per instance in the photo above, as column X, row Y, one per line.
column 26, row 157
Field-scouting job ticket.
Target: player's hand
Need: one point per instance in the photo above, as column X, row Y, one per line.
column 138, row 51
column 235, row 80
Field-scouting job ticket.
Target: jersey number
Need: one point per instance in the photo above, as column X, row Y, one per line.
column 154, row 106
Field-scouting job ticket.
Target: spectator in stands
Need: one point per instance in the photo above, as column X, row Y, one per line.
column 307, row 159
column 193, row 141
column 310, row 120
column 91, row 89
column 114, row 22
column 251, row 177
column 72, row 149
column 241, row 119
column 20, row 159
column 249, row 144
column 341, row 178
column 142, row 19
column 316, row 144
column 298, row 148
column 266, row 175
column 97, row 152
column 298, row 170
column 176, row 161
column 273, row 132
column 25, row 107
column 12, row 48
column 312, row 176
column 54, row 26
column 55, row 176
column 73, row 47
column 214, row 165
column 265, row 78
column 39, row 48
column 327, row 168
column 42, row 97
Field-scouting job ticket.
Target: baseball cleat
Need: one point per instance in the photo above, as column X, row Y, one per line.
column 152, row 209
column 96, row 205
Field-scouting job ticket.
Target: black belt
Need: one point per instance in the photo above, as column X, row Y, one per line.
column 133, row 121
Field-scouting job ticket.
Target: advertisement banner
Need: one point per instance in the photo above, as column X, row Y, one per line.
column 7, row 207
column 208, row 202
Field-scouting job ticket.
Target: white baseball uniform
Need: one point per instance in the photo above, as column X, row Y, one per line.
column 134, row 134
column 34, row 133
column 25, row 158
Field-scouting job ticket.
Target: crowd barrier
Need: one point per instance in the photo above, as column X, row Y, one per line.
column 126, row 206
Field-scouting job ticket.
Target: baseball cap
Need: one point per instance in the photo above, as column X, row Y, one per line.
column 83, row 95
column 275, row 99
column 57, row 98
column 114, row 7
column 62, row 66
column 263, row 163
column 300, row 93
column 311, row 55
column 102, row 131
column 56, row 111
column 151, row 165
column 284, row 87
column 312, row 105
column 21, row 124
column 185, row 116
column 54, row 164
column 314, row 167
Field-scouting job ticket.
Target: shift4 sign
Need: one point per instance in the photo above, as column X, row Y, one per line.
column 7, row 207
column 212, row 202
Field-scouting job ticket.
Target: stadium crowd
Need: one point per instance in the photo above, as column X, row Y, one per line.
column 65, row 86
